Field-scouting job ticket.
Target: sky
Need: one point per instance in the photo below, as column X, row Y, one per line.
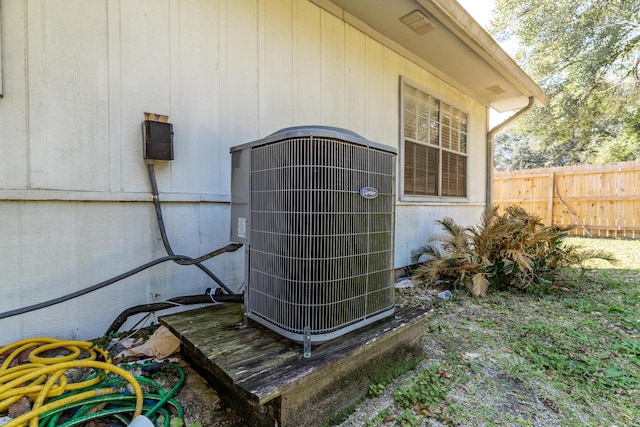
column 479, row 9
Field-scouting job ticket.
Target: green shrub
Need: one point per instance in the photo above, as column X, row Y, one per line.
column 512, row 250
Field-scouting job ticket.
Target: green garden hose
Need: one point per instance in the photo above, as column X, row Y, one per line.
column 98, row 397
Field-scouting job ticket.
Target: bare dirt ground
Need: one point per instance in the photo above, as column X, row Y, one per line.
column 497, row 390
column 567, row 358
column 202, row 404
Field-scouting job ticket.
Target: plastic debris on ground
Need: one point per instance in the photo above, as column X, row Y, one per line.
column 404, row 283
column 161, row 344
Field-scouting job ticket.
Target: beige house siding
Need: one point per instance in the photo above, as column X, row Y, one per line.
column 74, row 191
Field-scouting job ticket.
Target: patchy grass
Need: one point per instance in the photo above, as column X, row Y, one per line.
column 570, row 357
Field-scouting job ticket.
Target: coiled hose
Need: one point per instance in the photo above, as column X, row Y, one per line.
column 43, row 380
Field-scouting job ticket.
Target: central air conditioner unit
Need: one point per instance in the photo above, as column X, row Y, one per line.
column 314, row 207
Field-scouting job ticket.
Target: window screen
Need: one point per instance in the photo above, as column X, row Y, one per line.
column 435, row 146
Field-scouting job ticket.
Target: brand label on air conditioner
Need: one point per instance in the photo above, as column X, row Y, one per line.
column 368, row 192
column 242, row 227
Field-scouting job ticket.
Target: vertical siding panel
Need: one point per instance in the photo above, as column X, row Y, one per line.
column 356, row 72
column 238, row 75
column 36, row 94
column 47, row 250
column 333, row 75
column 476, row 152
column 307, row 66
column 423, row 78
column 195, row 94
column 146, row 83
column 13, row 107
column 76, row 87
column 276, row 68
column 100, row 254
column 215, row 224
column 407, row 68
column 376, row 104
column 391, row 98
column 141, row 239
column 114, row 64
column 11, row 280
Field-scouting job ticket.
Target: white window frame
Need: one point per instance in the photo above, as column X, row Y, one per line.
column 401, row 179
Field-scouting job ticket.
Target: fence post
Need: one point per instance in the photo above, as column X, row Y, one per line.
column 550, row 201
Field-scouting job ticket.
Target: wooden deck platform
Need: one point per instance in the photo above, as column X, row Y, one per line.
column 264, row 377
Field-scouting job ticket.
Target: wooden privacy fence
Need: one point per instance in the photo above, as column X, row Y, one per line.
column 598, row 200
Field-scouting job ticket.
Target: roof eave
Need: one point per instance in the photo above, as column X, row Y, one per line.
column 462, row 24
column 459, row 51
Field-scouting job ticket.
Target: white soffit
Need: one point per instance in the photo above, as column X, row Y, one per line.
column 443, row 37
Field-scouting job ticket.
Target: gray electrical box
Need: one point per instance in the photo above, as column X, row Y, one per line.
column 240, row 195
column 157, row 140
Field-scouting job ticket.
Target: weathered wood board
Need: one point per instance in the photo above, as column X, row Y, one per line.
column 267, row 380
column 600, row 200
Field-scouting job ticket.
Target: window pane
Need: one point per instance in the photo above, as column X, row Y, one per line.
column 409, row 125
column 423, row 117
column 423, row 129
column 434, row 109
column 410, row 95
column 458, row 127
column 409, row 167
column 446, row 136
column 423, row 105
column 454, row 174
column 463, row 132
column 410, row 109
column 434, row 135
column 455, row 123
column 463, row 142
column 463, row 122
column 455, row 139
column 438, row 132
column 446, row 114
column 420, row 169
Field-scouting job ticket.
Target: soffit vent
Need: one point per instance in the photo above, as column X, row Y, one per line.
column 496, row 89
column 418, row 22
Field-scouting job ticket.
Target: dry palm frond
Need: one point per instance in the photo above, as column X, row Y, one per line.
column 479, row 285
column 432, row 270
column 512, row 250
column 429, row 251
column 575, row 256
column 520, row 258
column 455, row 237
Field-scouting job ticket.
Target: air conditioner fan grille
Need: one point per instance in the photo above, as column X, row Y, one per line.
column 321, row 255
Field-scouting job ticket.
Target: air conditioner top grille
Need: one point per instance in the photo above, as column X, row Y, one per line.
column 315, row 131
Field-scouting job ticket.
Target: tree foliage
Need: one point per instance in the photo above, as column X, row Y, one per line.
column 585, row 54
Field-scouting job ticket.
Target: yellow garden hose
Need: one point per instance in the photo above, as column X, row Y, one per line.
column 43, row 377
column 35, row 413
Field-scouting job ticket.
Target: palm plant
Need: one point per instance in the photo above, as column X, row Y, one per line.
column 512, row 250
